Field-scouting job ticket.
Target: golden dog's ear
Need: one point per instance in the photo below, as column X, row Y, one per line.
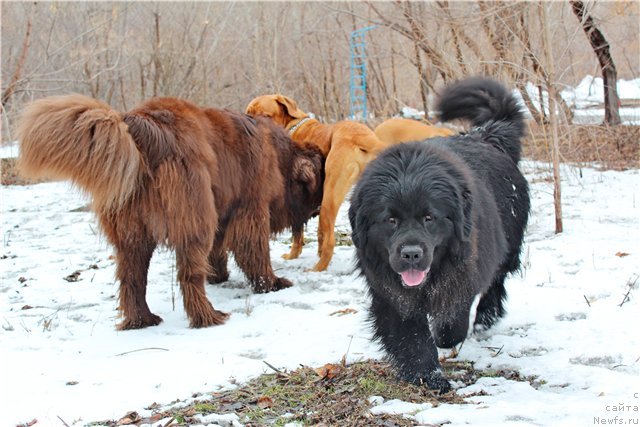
column 252, row 108
column 290, row 106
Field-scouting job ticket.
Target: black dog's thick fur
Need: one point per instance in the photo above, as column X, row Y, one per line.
column 454, row 208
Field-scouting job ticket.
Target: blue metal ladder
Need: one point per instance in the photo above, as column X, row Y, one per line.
column 358, row 74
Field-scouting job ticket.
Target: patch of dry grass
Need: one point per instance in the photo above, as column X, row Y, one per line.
column 9, row 174
column 616, row 148
column 327, row 396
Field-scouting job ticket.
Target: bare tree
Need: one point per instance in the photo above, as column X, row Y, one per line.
column 602, row 50
column 416, row 32
column 225, row 53
column 553, row 110
column 17, row 73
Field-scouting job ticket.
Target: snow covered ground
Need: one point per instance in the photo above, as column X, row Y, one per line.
column 590, row 92
column 572, row 322
column 569, row 322
column 586, row 100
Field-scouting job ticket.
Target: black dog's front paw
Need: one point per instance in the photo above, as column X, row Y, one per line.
column 436, row 381
column 433, row 380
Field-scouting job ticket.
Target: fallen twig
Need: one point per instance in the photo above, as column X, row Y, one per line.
column 344, row 357
column 142, row 349
column 496, row 349
column 278, row 371
column 7, row 326
column 630, row 285
column 625, row 299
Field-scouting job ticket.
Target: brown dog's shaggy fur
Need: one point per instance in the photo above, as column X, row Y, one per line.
column 199, row 180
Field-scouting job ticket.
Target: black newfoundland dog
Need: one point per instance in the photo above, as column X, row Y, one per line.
column 437, row 223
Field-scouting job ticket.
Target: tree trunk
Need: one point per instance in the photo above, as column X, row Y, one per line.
column 394, row 81
column 602, row 50
column 17, row 74
column 424, row 89
column 157, row 63
column 553, row 114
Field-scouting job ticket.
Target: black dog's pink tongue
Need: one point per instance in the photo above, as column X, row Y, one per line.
column 413, row 277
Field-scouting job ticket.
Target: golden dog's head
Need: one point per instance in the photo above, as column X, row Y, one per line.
column 281, row 109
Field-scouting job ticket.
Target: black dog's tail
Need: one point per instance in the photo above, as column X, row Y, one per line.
column 488, row 105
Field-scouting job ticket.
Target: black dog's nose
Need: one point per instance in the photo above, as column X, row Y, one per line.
column 411, row 253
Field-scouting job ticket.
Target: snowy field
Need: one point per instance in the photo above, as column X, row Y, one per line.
column 586, row 100
column 572, row 322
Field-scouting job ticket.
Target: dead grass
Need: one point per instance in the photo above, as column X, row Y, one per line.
column 614, row 148
column 328, row 396
column 9, row 174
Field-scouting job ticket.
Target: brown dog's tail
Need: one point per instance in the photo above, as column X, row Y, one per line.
column 79, row 138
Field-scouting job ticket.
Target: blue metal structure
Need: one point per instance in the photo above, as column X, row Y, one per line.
column 358, row 74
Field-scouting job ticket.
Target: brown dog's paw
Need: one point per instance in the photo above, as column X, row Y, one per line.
column 262, row 286
column 139, row 322
column 282, row 283
column 211, row 317
column 217, row 278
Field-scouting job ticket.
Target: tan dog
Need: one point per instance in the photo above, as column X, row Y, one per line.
column 347, row 147
column 397, row 130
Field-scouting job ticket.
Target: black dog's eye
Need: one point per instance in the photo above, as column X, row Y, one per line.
column 428, row 217
column 392, row 220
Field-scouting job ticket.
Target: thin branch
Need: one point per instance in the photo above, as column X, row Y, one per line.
column 19, row 66
column 142, row 349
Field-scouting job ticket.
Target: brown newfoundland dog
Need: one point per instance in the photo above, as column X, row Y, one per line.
column 199, row 180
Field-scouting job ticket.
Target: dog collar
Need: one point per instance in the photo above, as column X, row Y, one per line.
column 297, row 125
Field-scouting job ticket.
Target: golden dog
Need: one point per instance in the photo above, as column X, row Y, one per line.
column 347, row 147
column 397, row 130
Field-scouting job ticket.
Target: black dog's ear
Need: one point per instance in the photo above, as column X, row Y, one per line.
column 464, row 222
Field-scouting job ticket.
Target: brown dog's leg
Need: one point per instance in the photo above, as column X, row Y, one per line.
column 133, row 255
column 192, row 271
column 297, row 241
column 248, row 238
column 218, row 261
column 342, row 170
